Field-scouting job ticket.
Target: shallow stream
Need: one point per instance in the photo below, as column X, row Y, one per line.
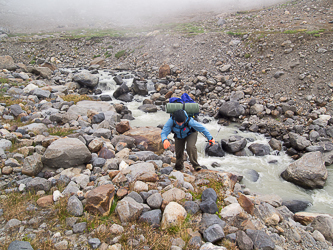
column 268, row 167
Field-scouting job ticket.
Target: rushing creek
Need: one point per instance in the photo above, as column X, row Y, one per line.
column 268, row 167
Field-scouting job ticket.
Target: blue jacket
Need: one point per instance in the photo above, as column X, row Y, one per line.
column 182, row 131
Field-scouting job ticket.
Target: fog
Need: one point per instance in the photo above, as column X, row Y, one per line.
column 48, row 15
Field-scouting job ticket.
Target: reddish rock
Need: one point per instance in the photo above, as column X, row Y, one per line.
column 122, row 192
column 122, row 127
column 113, row 173
column 246, row 204
column 45, row 201
column 49, row 65
column 168, row 95
column 99, row 61
column 164, row 71
column 7, row 170
column 106, row 153
column 150, row 135
column 148, row 177
column 99, row 200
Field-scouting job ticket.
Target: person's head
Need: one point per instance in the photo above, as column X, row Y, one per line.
column 179, row 117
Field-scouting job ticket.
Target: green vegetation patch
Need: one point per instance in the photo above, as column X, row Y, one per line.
column 120, row 54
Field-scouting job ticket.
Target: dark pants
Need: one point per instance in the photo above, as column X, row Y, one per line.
column 191, row 150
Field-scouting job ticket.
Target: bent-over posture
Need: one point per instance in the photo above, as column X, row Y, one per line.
column 186, row 131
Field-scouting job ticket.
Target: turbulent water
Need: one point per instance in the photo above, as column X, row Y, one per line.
column 268, row 167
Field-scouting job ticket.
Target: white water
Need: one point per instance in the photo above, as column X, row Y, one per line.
column 269, row 181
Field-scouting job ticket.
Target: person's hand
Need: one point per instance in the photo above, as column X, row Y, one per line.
column 211, row 142
column 166, row 144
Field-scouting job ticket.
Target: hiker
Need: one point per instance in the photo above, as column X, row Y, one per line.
column 185, row 130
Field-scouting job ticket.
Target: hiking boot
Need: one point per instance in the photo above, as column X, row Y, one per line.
column 197, row 168
column 179, row 168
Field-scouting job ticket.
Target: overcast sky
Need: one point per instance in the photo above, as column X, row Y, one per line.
column 20, row 13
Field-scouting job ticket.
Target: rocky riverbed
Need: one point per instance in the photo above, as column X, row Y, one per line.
column 69, row 156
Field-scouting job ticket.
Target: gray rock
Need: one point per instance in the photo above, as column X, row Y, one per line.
column 66, row 153
column 123, row 138
column 256, row 109
column 79, row 227
column 74, row 206
column 296, row 205
column 195, row 242
column 5, row 144
column 324, row 224
column 298, row 142
column 102, row 132
column 252, row 174
column 233, row 144
column 32, row 165
column 260, row 239
column 37, row 184
column 148, row 108
column 16, row 109
column 244, row 242
column 309, row 171
column 128, row 209
column 155, row 201
column 118, row 79
column 236, row 95
column 213, row 233
column 44, row 72
column 152, row 217
column 140, row 87
column 98, row 118
column 278, row 74
column 209, row 206
column 214, row 150
column 98, row 162
column 40, row 93
column 105, row 98
column 135, row 196
column 166, row 170
column 94, row 243
column 208, row 220
column 191, row 207
column 231, row 109
column 13, row 223
column 121, row 90
column 20, row 245
column 72, row 188
column 85, row 79
column 37, row 128
column 259, row 149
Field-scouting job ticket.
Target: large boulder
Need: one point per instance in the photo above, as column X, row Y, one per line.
column 44, row 72
column 82, row 108
column 149, row 135
column 86, row 79
column 66, row 153
column 140, row 87
column 7, row 62
column 308, row 172
column 214, row 150
column 259, row 149
column 233, row 144
column 121, row 90
column 231, row 109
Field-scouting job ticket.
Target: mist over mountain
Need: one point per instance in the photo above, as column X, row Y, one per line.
column 25, row 15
